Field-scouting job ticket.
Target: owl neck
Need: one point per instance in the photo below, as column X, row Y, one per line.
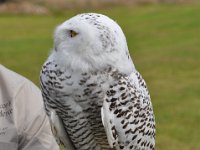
column 81, row 63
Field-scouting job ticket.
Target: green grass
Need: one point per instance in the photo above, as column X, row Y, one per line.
column 164, row 43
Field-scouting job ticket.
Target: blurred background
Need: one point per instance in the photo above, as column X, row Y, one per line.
column 163, row 38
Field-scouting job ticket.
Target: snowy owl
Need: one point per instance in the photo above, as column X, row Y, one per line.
column 90, row 84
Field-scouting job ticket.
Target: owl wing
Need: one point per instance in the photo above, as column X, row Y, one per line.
column 127, row 114
column 59, row 132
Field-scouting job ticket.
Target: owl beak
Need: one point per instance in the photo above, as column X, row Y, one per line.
column 55, row 49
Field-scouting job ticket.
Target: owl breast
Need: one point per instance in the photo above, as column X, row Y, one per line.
column 69, row 91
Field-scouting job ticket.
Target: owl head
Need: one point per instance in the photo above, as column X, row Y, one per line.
column 91, row 42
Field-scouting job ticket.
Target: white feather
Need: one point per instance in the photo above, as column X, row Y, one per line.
column 59, row 131
column 106, row 118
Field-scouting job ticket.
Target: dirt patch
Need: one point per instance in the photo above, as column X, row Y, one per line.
column 102, row 3
column 22, row 8
column 46, row 6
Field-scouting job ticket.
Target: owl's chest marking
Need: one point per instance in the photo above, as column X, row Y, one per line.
column 87, row 89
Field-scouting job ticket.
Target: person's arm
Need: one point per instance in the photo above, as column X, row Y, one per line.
column 31, row 121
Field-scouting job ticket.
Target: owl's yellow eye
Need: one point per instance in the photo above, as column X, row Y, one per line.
column 72, row 33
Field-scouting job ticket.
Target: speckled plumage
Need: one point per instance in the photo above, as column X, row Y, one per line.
column 89, row 80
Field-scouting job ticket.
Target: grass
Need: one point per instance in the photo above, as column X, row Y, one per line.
column 164, row 43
